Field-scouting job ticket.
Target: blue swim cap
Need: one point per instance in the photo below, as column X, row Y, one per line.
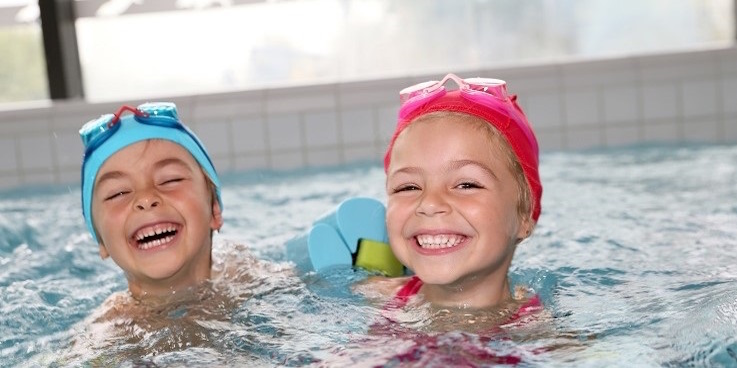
column 110, row 133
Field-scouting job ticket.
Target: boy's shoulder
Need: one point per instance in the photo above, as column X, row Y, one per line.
column 118, row 305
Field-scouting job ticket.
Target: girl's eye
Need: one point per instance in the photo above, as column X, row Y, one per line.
column 469, row 185
column 406, row 188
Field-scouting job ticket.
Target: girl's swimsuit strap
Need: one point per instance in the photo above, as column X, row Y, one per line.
column 412, row 287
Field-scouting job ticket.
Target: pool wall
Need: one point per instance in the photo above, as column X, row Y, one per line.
column 676, row 97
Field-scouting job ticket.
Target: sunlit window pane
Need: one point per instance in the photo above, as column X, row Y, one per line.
column 22, row 65
column 195, row 47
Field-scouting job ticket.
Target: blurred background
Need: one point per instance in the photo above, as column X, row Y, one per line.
column 108, row 50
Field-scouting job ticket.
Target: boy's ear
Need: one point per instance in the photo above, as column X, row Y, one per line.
column 217, row 216
column 103, row 251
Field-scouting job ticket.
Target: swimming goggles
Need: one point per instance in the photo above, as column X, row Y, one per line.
column 487, row 92
column 164, row 114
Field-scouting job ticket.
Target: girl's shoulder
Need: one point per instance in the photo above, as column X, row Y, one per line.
column 380, row 288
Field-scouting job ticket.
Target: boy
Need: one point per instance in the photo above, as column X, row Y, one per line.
column 150, row 198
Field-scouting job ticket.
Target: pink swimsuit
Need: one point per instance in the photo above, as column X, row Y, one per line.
column 431, row 349
column 412, row 287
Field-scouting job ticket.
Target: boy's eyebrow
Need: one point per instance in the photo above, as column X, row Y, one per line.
column 108, row 176
column 170, row 161
column 159, row 164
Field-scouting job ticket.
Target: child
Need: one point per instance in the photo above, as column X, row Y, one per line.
column 150, row 198
column 463, row 191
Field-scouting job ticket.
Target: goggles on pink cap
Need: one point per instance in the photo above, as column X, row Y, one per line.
column 489, row 92
column 485, row 98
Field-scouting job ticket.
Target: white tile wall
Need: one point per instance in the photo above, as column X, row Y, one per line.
column 583, row 138
column 702, row 130
column 248, row 135
column 321, row 157
column 699, row 98
column 357, row 127
column 543, row 109
column 729, row 93
column 680, row 96
column 35, row 152
column 250, row 162
column 284, row 132
column 660, row 100
column 8, row 157
column 321, row 129
column 581, row 106
column 621, row 105
column 665, row 131
column 621, row 135
column 730, row 129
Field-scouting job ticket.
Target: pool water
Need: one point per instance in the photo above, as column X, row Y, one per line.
column 634, row 257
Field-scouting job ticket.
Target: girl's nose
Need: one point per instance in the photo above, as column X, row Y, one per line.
column 432, row 203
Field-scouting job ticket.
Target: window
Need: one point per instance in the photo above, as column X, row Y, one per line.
column 149, row 48
column 22, row 65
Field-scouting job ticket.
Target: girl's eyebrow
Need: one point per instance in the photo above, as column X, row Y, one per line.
column 457, row 164
column 452, row 166
column 406, row 170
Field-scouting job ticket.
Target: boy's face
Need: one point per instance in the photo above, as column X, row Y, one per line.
column 154, row 213
column 452, row 213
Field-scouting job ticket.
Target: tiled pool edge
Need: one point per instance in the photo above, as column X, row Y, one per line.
column 675, row 97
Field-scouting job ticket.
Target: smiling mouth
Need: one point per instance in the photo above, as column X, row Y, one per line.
column 439, row 241
column 155, row 236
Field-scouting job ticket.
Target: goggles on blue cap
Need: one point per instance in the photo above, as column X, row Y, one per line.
column 109, row 133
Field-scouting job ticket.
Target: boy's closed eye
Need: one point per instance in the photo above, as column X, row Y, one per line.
column 171, row 181
column 172, row 172
column 115, row 194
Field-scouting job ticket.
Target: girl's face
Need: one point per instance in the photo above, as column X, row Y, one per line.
column 452, row 213
column 154, row 213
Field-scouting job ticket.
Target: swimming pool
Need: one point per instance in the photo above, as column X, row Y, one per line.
column 634, row 257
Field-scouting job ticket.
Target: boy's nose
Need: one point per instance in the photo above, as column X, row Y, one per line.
column 147, row 201
column 432, row 204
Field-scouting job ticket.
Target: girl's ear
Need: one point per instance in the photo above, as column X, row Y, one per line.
column 103, row 251
column 217, row 216
column 525, row 228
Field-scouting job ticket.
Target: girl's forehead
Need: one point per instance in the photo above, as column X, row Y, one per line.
column 444, row 129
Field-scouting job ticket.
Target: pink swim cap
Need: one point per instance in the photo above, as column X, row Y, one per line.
column 506, row 116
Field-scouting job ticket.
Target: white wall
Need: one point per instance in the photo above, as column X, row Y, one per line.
column 679, row 97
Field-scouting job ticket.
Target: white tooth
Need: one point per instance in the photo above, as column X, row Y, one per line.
column 439, row 241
